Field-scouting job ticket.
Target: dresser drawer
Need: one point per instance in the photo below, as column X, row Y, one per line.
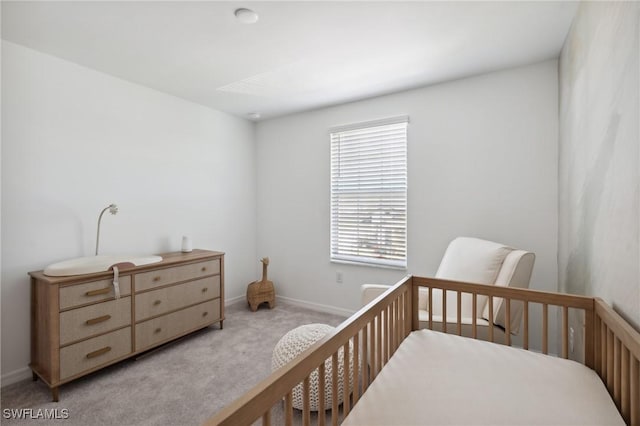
column 167, row 299
column 85, row 322
column 148, row 280
column 166, row 327
column 91, row 353
column 94, row 291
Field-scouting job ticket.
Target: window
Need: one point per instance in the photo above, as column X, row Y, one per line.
column 369, row 193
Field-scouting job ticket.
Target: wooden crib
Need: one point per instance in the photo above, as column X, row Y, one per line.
column 611, row 348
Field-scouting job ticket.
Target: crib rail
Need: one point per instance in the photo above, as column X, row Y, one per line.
column 375, row 332
column 509, row 296
column 617, row 351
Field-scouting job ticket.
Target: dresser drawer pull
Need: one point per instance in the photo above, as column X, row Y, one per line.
column 98, row 320
column 204, row 314
column 204, row 290
column 156, row 279
column 204, row 268
column 98, row 292
column 157, row 330
column 98, row 352
column 157, row 302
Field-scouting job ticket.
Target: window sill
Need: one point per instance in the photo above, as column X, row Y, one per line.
column 367, row 264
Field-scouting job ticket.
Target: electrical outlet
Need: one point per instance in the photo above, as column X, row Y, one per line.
column 571, row 339
column 339, row 277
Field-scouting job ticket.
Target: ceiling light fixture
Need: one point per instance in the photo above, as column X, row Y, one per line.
column 253, row 115
column 246, row 16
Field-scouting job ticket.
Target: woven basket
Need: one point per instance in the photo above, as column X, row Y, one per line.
column 298, row 340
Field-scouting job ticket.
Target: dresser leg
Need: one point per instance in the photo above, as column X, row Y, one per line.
column 55, row 394
column 221, row 326
column 34, row 376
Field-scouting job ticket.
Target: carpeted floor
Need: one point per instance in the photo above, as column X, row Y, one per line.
column 182, row 383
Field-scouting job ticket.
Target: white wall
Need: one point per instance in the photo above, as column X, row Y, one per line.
column 75, row 140
column 482, row 162
column 599, row 240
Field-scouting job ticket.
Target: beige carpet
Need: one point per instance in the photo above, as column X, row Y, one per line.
column 180, row 384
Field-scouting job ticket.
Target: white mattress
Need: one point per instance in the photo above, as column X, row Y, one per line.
column 442, row 379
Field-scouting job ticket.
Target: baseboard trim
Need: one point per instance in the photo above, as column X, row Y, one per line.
column 233, row 300
column 15, row 376
column 316, row 306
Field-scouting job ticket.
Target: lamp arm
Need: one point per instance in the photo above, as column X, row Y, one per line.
column 98, row 232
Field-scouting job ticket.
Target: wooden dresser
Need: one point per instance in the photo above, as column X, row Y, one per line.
column 78, row 325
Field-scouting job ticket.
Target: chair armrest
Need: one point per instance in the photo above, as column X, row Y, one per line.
column 368, row 292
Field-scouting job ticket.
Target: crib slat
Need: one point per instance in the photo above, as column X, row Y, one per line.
column 589, row 339
column 372, row 350
column 596, row 343
column 415, row 317
column 391, row 328
column 507, row 321
column 408, row 317
column 444, row 310
column 490, row 319
column 394, row 328
column 379, row 344
column 610, row 361
column 401, row 322
column 430, row 307
column 403, row 317
column 624, row 388
column 634, row 390
column 565, row 332
column 334, row 389
column 545, row 328
column 321, row 394
column 396, row 322
column 459, row 311
column 306, row 403
column 617, row 386
column 474, row 315
column 525, row 325
column 385, row 336
column 603, row 351
column 266, row 418
column 388, row 335
column 356, row 368
column 345, row 379
column 365, row 357
column 407, row 314
column 288, row 409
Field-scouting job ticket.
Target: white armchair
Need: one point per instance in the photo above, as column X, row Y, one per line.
column 476, row 261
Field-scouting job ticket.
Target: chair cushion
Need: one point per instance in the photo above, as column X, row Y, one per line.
column 515, row 273
column 470, row 260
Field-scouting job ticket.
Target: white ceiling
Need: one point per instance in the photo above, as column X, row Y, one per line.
column 299, row 55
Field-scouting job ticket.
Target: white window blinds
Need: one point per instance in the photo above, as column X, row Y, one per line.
column 369, row 193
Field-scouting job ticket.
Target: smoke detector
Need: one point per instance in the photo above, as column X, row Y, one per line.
column 246, row 16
